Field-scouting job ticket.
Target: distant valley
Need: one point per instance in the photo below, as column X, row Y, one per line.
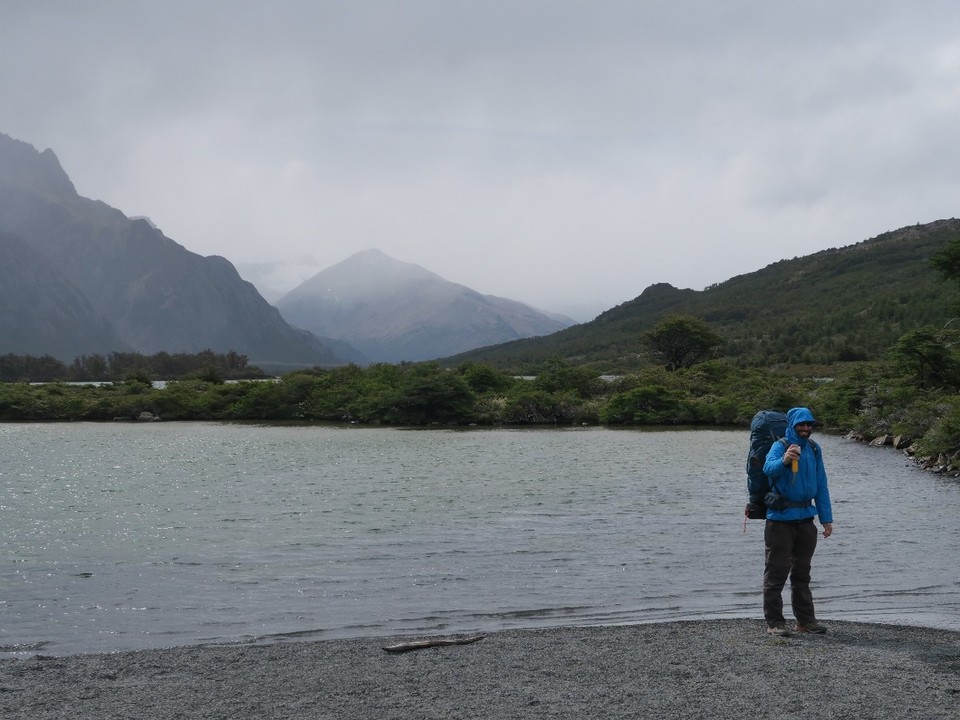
column 78, row 277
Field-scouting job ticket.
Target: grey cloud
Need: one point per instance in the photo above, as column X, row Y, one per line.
column 629, row 142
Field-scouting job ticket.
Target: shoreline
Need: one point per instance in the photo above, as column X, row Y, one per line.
column 685, row 669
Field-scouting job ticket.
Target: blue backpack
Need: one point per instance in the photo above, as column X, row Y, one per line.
column 766, row 428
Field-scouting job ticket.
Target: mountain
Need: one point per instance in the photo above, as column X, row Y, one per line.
column 129, row 286
column 393, row 311
column 43, row 312
column 850, row 303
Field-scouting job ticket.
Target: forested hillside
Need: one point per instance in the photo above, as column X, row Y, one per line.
column 850, row 303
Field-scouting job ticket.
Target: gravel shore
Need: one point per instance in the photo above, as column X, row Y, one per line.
column 703, row 669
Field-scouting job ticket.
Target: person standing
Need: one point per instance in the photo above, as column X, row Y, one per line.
column 798, row 479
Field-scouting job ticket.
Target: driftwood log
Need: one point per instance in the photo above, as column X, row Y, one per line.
column 435, row 642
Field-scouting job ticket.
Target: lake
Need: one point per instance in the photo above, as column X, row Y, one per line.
column 128, row 536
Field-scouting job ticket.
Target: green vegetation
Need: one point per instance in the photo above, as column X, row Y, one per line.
column 681, row 341
column 425, row 394
column 909, row 387
column 893, row 396
column 120, row 366
column 836, row 306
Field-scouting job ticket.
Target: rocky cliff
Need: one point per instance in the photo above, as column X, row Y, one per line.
column 127, row 285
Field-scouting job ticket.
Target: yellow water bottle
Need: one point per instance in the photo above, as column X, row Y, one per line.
column 794, row 465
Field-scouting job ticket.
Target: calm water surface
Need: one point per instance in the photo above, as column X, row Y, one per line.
column 119, row 536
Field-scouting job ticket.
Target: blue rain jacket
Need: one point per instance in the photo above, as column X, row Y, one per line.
column 810, row 481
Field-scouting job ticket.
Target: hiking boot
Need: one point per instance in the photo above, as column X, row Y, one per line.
column 778, row 630
column 815, row 628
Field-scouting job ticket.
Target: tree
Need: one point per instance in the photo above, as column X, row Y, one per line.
column 559, row 375
column 484, row 378
column 413, row 394
column 947, row 261
column 647, row 405
column 681, row 341
column 927, row 356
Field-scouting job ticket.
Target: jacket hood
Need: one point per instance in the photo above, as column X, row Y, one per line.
column 794, row 416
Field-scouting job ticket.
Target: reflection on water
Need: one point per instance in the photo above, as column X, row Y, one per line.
column 128, row 536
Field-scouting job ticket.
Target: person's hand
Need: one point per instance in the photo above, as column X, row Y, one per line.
column 827, row 530
column 792, row 453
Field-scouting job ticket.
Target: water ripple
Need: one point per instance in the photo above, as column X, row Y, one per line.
column 129, row 536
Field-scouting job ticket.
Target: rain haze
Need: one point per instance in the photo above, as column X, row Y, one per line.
column 562, row 153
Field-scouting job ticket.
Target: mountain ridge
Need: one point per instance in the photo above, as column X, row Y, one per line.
column 154, row 293
column 394, row 311
column 82, row 278
column 836, row 305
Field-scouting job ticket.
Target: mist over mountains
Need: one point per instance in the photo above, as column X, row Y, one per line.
column 393, row 311
column 78, row 277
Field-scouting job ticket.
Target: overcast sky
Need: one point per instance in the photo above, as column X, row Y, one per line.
column 565, row 153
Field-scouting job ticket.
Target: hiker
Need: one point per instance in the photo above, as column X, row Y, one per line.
column 799, row 492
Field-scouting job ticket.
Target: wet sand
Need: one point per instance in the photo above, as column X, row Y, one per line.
column 704, row 669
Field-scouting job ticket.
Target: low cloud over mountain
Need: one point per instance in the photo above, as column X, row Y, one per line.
column 80, row 278
column 393, row 311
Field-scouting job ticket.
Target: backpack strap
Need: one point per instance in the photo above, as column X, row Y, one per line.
column 781, row 441
column 810, row 442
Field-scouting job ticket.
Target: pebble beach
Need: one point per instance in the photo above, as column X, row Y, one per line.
column 696, row 669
